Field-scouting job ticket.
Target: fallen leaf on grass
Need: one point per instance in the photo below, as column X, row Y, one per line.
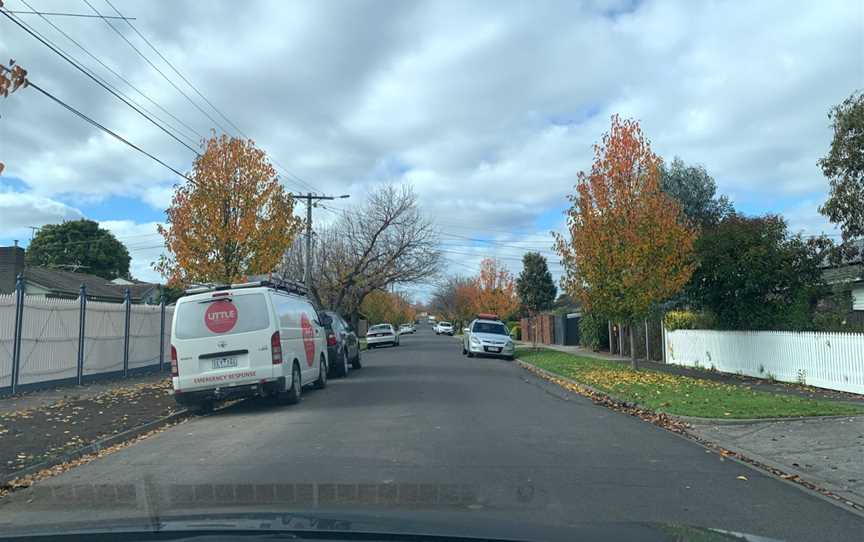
column 741, row 477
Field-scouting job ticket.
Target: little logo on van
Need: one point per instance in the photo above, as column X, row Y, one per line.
column 220, row 316
column 308, row 339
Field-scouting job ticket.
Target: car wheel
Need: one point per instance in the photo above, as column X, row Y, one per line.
column 463, row 350
column 321, row 382
column 355, row 363
column 470, row 354
column 292, row 395
column 340, row 370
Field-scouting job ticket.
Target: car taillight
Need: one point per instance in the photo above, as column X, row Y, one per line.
column 276, row 348
column 174, row 369
column 331, row 339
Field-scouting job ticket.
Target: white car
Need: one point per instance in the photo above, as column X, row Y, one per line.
column 261, row 338
column 444, row 328
column 406, row 328
column 489, row 338
column 381, row 334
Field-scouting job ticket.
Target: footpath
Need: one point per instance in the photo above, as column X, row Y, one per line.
column 821, row 452
column 44, row 427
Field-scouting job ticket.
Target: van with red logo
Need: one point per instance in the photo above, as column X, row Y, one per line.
column 260, row 338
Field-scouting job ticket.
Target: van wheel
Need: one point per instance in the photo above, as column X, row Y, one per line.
column 321, row 382
column 204, row 407
column 292, row 395
column 341, row 368
column 355, row 363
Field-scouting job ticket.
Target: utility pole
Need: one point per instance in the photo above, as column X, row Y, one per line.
column 307, row 267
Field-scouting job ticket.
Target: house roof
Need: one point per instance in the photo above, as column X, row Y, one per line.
column 68, row 282
column 850, row 270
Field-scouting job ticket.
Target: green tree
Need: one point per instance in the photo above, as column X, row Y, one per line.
column 844, row 167
column 751, row 274
column 535, row 286
column 696, row 192
column 79, row 245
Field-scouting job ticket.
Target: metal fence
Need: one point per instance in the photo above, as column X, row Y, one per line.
column 827, row 360
column 47, row 341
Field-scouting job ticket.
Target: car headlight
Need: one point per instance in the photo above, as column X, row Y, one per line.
column 475, row 341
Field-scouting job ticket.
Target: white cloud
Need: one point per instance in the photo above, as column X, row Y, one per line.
column 19, row 211
column 144, row 244
column 489, row 108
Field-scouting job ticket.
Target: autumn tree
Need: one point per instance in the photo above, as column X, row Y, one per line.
column 233, row 218
column 496, row 289
column 387, row 307
column 628, row 249
column 534, row 285
column 79, row 245
column 844, row 167
column 12, row 77
column 455, row 299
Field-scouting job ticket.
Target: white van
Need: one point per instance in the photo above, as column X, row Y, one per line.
column 260, row 338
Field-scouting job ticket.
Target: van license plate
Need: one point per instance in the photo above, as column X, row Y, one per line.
column 224, row 363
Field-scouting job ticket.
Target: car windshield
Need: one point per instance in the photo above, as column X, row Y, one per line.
column 489, row 327
column 492, row 268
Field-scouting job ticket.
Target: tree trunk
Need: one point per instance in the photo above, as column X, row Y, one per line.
column 633, row 361
column 620, row 339
column 611, row 344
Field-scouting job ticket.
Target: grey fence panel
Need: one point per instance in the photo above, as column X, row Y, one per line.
column 103, row 338
column 49, row 340
column 144, row 336
column 7, row 331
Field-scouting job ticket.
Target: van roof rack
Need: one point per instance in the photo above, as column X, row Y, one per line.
column 267, row 281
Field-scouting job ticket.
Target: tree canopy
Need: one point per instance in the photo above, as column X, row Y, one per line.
column 535, row 286
column 79, row 245
column 696, row 193
column 232, row 220
column 495, row 289
column 628, row 249
column 844, row 167
column 751, row 274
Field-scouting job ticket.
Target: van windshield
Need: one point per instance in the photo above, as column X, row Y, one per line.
column 235, row 314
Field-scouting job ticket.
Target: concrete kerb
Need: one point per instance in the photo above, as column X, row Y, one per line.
column 752, row 461
column 94, row 447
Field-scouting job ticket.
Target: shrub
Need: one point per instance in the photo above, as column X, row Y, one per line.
column 593, row 331
column 516, row 332
column 688, row 320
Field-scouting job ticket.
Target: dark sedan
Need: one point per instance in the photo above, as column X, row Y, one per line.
column 343, row 347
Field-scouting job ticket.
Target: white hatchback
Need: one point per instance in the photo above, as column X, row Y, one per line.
column 246, row 340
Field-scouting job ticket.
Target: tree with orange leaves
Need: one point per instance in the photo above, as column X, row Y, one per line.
column 232, row 220
column 495, row 289
column 628, row 248
column 11, row 79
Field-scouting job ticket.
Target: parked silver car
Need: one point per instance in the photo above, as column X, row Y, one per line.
column 381, row 334
column 488, row 337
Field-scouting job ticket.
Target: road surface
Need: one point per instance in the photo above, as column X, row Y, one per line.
column 423, row 428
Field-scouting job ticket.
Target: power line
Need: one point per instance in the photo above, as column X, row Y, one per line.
column 63, row 14
column 108, row 131
column 35, row 34
column 121, row 78
column 295, row 178
column 160, row 72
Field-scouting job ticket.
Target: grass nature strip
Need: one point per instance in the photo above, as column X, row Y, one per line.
column 681, row 395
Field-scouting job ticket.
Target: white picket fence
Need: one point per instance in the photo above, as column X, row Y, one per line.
column 826, row 360
column 49, row 339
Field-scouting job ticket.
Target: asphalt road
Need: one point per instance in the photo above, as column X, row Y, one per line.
column 421, row 428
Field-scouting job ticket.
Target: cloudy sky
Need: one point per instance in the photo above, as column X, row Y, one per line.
column 488, row 108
